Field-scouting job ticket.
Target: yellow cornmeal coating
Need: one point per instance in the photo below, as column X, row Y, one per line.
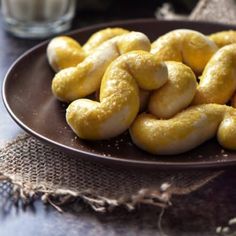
column 64, row 52
column 119, row 97
column 176, row 94
column 76, row 82
column 223, row 38
column 186, row 130
column 190, row 47
column 227, row 132
column 101, row 36
column 218, row 81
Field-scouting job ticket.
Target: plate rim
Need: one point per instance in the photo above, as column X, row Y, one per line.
column 98, row 157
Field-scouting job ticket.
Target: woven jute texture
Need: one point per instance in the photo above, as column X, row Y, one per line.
column 36, row 169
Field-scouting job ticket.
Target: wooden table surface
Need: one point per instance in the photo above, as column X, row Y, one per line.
column 199, row 213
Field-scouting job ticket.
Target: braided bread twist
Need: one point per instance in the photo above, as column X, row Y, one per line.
column 76, row 82
column 64, row 51
column 176, row 94
column 101, row 36
column 188, row 46
column 218, row 81
column 186, row 130
column 126, row 77
column 223, row 38
column 119, row 97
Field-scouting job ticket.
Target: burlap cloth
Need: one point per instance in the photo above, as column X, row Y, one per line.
column 38, row 170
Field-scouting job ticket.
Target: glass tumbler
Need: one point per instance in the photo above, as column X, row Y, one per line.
column 37, row 18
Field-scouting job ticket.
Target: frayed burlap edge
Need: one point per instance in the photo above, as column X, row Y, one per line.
column 159, row 196
column 61, row 197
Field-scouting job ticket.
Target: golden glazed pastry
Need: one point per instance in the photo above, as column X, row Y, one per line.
column 64, row 51
column 76, row 82
column 176, row 94
column 131, row 79
column 224, row 38
column 218, row 81
column 186, row 130
column 119, row 97
column 190, row 47
column 101, row 36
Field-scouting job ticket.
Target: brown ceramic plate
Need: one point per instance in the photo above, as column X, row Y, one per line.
column 29, row 100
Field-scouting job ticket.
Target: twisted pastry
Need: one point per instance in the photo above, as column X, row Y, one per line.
column 223, row 38
column 101, row 36
column 218, row 81
column 64, row 51
column 176, row 94
column 190, row 47
column 186, row 130
column 119, row 97
column 76, row 82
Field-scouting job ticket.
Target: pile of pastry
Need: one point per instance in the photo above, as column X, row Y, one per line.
column 170, row 94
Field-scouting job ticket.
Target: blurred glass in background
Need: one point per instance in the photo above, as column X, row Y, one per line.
column 37, row 18
column 44, row 18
